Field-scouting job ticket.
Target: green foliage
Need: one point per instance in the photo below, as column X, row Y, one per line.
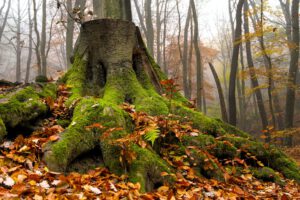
column 152, row 135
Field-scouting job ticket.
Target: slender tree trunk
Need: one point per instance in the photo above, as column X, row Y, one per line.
column 220, row 92
column 69, row 34
column 292, row 76
column 18, row 48
column 199, row 66
column 274, row 102
column 158, row 32
column 190, row 60
column 165, row 67
column 185, row 55
column 30, row 44
column 253, row 77
column 37, row 33
column 43, row 39
column 5, row 20
column 149, row 26
column 240, row 89
column 234, row 64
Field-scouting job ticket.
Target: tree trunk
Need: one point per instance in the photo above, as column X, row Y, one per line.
column 38, row 41
column 43, row 39
column 30, row 44
column 199, row 66
column 253, row 77
column 5, row 20
column 149, row 26
column 185, row 69
column 234, row 64
column 294, row 63
column 220, row 92
column 18, row 47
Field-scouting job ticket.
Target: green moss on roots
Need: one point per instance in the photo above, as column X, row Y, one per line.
column 24, row 105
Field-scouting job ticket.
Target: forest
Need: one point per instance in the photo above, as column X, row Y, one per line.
column 149, row 99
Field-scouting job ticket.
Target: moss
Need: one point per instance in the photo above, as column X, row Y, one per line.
column 224, row 150
column 76, row 79
column 266, row 174
column 77, row 139
column 41, row 79
column 23, row 106
column 206, row 124
column 269, row 155
column 2, row 130
column 219, row 149
column 146, row 169
column 207, row 167
column 49, row 90
column 152, row 105
column 63, row 122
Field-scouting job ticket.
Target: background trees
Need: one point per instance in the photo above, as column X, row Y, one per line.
column 257, row 45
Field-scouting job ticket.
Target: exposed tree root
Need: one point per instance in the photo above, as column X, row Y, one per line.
column 23, row 105
column 111, row 66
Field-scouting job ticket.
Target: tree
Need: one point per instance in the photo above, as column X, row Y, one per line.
column 220, row 92
column 198, row 57
column 234, row 64
column 5, row 17
column 115, row 85
column 253, row 77
column 30, row 43
column 294, row 63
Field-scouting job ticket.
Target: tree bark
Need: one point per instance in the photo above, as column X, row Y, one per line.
column 185, row 69
column 28, row 66
column 5, row 20
column 18, row 46
column 43, row 39
column 294, row 63
column 253, row 77
column 38, row 41
column 220, row 92
column 199, row 66
column 149, row 26
column 234, row 64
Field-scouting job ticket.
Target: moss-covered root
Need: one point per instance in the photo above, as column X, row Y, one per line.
column 81, row 136
column 270, row 156
column 23, row 105
column 146, row 169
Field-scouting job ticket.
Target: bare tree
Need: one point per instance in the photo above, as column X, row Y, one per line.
column 294, row 61
column 30, row 43
column 149, row 26
column 199, row 66
column 5, row 17
column 38, row 40
column 18, row 45
column 43, row 39
column 220, row 92
column 253, row 77
column 234, row 64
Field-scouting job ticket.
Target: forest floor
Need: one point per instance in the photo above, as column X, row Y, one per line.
column 23, row 175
